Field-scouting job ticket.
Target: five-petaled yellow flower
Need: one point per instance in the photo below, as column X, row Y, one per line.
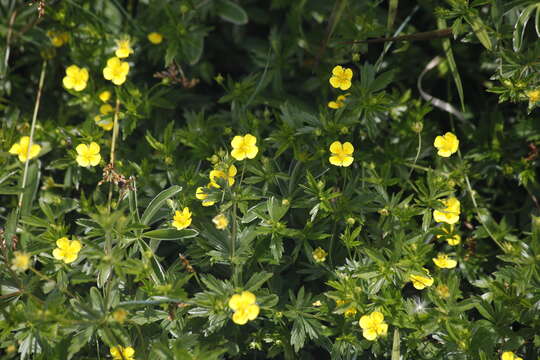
column 122, row 353
column 67, row 250
column 341, row 154
column 155, row 38
column 21, row 149
column 244, row 306
column 116, row 71
column 20, row 262
column 341, row 78
column 105, row 124
column 88, row 155
column 444, row 262
column 220, row 221
column 229, row 177
column 340, row 101
column 319, row 255
column 76, row 78
column 58, row 38
column 509, row 355
column 244, row 147
column 447, row 144
column 105, row 95
column 123, row 48
column 421, row 282
column 533, row 95
column 450, row 214
column 373, row 325
column 182, row 219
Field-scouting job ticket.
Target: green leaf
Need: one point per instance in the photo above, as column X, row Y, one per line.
column 192, row 47
column 148, row 216
column 10, row 190
column 479, row 29
column 170, row 234
column 441, row 24
column 521, row 25
column 231, row 12
column 256, row 281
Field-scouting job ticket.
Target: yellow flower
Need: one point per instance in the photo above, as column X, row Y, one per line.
column 421, row 282
column 340, row 101
column 88, row 155
column 67, row 250
column 120, row 315
column 244, row 307
column 76, row 78
column 200, row 194
column 533, row 95
column 155, row 38
column 443, row 291
column 508, row 355
column 244, row 147
column 317, row 303
column 104, row 95
column 21, row 149
column 452, row 240
column 444, row 262
column 341, row 77
column 446, row 144
column 105, row 124
column 220, row 221
column 182, row 219
column 350, row 312
column 373, row 325
column 450, row 214
column 229, row 177
column 116, row 71
column 58, row 38
column 20, row 262
column 122, row 353
column 341, row 154
column 319, row 255
column 123, row 48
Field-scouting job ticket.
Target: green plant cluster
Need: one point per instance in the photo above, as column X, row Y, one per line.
column 166, row 223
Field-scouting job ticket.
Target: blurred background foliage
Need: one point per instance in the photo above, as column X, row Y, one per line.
column 225, row 68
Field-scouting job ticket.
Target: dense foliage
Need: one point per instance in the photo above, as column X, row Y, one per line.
column 225, row 179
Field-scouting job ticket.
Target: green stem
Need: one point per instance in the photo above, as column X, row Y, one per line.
column 113, row 148
column 31, row 141
column 417, row 154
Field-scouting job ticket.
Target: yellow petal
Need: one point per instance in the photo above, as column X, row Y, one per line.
column 94, row 148
column 34, row 150
column 348, row 74
column 252, row 152
column 238, row 154
column 75, row 246
column 82, row 161
column 376, row 316
column 382, row 330
column 81, row 149
column 337, row 70
column 15, row 149
column 58, row 254
column 369, row 334
column 107, row 73
column 235, row 302
column 252, row 311
column 237, row 141
column 68, row 82
column 335, row 160
column 62, row 243
column 248, row 297
column 129, row 351
column 348, row 160
column 335, row 82
column 72, row 71
column 239, row 318
column 233, row 171
column 336, row 148
column 333, row 105
column 365, row 322
column 250, row 140
column 345, row 85
column 348, row 148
